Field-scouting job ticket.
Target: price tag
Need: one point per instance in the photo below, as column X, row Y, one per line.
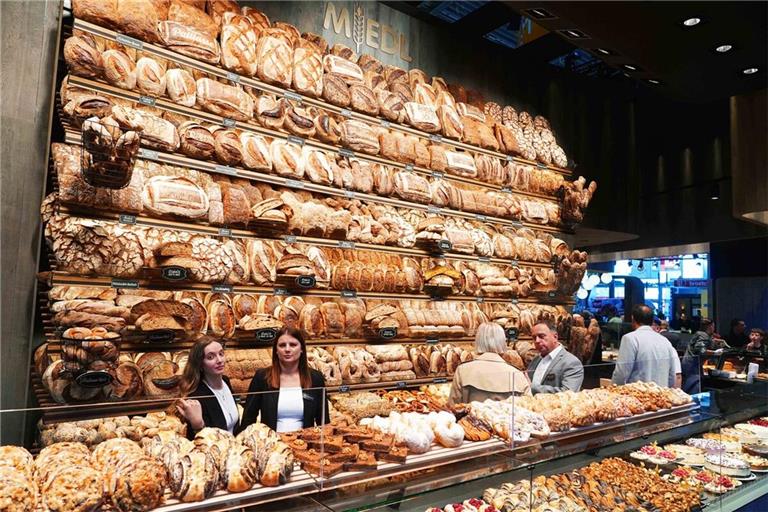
column 433, row 210
column 229, row 123
column 514, row 263
column 129, row 41
column 221, row 288
column 281, row 292
column 147, row 100
column 506, row 190
column 348, row 294
column 292, row 96
column 225, row 232
column 480, row 299
column 432, row 341
column 346, row 112
column 401, row 385
column 436, row 138
column 515, row 301
column 174, row 273
column 126, row 218
column 444, row 245
column 540, row 165
column 517, row 224
column 289, row 239
column 510, row 158
column 440, row 380
column 125, row 283
column 512, row 333
column 294, row 183
column 344, row 388
column 94, row 379
column 346, row 153
column 160, row 336
column 437, row 175
column 305, row 281
column 225, row 169
column 266, row 334
column 551, row 294
column 384, row 123
column 409, row 167
column 346, row 244
column 233, row 77
column 483, row 259
column 481, row 218
column 148, row 154
column 388, row 333
column 292, row 139
column 349, row 194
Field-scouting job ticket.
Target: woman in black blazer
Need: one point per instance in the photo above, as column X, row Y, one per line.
column 209, row 401
column 289, row 394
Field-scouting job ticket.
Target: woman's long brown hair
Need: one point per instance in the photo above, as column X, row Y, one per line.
column 273, row 376
column 193, row 372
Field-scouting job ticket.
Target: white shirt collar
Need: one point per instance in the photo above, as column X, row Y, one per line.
column 554, row 352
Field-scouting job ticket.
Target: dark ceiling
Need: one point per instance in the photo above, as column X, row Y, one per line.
column 647, row 35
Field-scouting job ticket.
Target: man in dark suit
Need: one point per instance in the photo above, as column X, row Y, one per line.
column 554, row 369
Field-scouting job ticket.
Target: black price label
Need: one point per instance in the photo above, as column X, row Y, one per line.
column 346, row 112
column 346, row 244
column 228, row 123
column 294, row 183
column 388, row 333
column 160, row 336
column 94, row 379
column 347, row 153
column 444, row 245
column 348, row 294
column 344, row 388
column 289, row 239
column 125, row 283
column 440, row 380
column 432, row 341
column 305, row 281
column 221, row 288
column 225, row 169
column 514, row 263
column 512, row 333
column 148, row 154
column 292, row 139
column 174, row 273
column 126, row 218
column 233, row 77
column 147, row 100
column 281, row 292
column 225, row 232
column 129, row 41
column 401, row 385
column 266, row 334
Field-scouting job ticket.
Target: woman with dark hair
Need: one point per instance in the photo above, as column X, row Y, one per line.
column 289, row 395
column 209, row 401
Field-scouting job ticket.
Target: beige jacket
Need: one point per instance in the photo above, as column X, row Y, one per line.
column 488, row 376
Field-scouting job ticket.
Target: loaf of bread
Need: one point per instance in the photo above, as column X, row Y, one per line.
column 189, row 41
column 82, row 58
column 343, row 68
column 287, row 159
column 167, row 195
column 450, row 122
column 224, row 100
column 256, row 151
column 119, row 69
column 335, row 90
column 412, row 187
column 308, row 69
column 238, row 44
column 363, row 100
column 181, row 87
column 299, row 121
column 391, row 105
column 274, row 53
column 227, row 146
column 422, row 117
column 359, row 136
column 270, row 111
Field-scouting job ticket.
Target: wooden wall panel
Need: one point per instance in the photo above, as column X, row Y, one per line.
column 29, row 32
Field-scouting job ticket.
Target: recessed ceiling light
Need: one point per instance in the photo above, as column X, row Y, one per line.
column 724, row 48
column 653, row 81
column 691, row 22
column 573, row 33
column 750, row 71
column 540, row 14
column 603, row 51
column 630, row 67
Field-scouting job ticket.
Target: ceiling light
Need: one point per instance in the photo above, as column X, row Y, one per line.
column 724, row 48
column 540, row 14
column 573, row 33
column 606, row 278
column 714, row 193
column 750, row 71
column 653, row 81
column 630, row 67
column 692, row 22
column 604, row 51
column 641, row 266
column 582, row 293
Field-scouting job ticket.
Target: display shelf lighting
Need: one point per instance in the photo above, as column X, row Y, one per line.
column 604, row 51
column 653, row 81
column 630, row 67
column 692, row 22
column 750, row 71
column 714, row 192
column 724, row 48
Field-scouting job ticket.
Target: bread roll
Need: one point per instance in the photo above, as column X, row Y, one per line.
column 119, row 69
column 270, row 111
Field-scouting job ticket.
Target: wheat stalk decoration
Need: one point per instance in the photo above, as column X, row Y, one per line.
column 358, row 29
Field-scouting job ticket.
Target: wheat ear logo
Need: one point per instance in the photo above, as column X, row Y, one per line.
column 358, row 30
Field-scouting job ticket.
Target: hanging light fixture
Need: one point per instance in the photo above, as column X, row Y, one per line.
column 606, row 278
column 582, row 293
column 641, row 266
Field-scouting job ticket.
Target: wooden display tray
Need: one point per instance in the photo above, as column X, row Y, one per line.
column 251, row 82
column 74, row 138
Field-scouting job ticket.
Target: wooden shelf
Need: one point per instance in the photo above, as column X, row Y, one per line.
column 104, row 88
column 251, row 82
column 64, row 278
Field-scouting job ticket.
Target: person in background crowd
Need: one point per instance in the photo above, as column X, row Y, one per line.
column 554, row 369
column 673, row 337
column 615, row 318
column 757, row 341
column 300, row 400
column 693, row 360
column 488, row 375
column 737, row 337
column 656, row 326
column 597, row 354
column 209, row 401
column 646, row 356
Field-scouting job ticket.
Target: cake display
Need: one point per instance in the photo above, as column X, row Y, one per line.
column 722, row 464
column 688, row 455
column 654, row 455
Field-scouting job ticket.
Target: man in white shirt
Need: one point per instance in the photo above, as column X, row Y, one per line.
column 645, row 355
column 554, row 369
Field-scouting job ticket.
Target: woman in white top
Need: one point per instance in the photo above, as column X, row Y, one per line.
column 209, row 401
column 288, row 395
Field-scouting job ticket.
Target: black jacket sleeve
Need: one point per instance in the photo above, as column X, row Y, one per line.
column 253, row 403
column 321, row 413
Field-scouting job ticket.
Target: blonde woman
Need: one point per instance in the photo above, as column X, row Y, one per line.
column 488, row 375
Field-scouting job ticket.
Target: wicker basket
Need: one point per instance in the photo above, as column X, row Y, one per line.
column 108, row 156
